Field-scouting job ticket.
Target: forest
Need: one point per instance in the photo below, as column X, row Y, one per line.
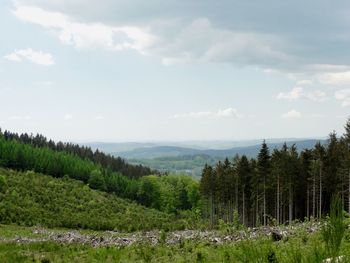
column 32, row 199
column 277, row 187
column 283, row 206
column 280, row 186
column 168, row 193
column 115, row 164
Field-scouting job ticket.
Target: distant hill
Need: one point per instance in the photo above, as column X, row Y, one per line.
column 191, row 161
column 110, row 147
column 173, row 151
column 158, row 151
column 120, row 147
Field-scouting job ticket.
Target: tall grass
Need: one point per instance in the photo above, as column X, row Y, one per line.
column 333, row 228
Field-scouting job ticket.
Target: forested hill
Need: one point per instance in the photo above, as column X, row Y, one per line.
column 107, row 161
column 166, row 193
column 28, row 198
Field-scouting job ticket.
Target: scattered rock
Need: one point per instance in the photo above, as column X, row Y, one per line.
column 112, row 238
column 339, row 259
column 39, row 230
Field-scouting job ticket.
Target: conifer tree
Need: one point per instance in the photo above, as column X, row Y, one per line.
column 264, row 172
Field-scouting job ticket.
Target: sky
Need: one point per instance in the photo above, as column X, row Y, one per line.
column 175, row 70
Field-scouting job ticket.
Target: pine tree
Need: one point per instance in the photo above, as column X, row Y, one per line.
column 207, row 188
column 319, row 152
column 244, row 174
column 264, row 171
column 347, row 156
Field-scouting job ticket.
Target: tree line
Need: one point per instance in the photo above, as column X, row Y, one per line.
column 278, row 186
column 170, row 194
column 116, row 164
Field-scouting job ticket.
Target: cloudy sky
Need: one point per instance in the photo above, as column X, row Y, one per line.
column 122, row 70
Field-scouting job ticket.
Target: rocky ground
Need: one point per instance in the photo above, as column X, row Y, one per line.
column 111, row 238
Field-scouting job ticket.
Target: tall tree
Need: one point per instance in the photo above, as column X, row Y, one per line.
column 207, row 188
column 319, row 153
column 264, row 171
column 244, row 174
column 306, row 180
column 347, row 156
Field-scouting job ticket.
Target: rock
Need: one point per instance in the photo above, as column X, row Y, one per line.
column 334, row 260
column 39, row 230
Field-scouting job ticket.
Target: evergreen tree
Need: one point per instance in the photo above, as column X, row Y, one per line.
column 264, row 172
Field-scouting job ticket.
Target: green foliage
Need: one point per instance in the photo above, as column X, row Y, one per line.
column 236, row 222
column 3, row 184
column 253, row 251
column 96, row 180
column 170, row 193
column 184, row 164
column 107, row 161
column 162, row 237
column 279, row 188
column 333, row 228
column 32, row 199
column 166, row 193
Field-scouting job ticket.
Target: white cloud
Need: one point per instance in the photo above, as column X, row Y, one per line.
column 226, row 113
column 16, row 118
column 37, row 57
column 13, row 57
column 68, row 117
column 220, row 45
column 299, row 93
column 294, row 94
column 86, row 35
column 291, row 114
column 318, row 116
column 317, row 95
column 336, row 78
column 343, row 96
column 99, row 117
column 304, row 82
column 172, row 42
column 45, row 83
column 325, row 68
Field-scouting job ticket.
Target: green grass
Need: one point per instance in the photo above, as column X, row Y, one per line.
column 303, row 248
column 263, row 250
column 29, row 199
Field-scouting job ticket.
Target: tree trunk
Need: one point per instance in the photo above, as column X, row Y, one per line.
column 264, row 215
column 314, row 197
column 243, row 203
column 290, row 203
column 212, row 210
column 236, row 195
column 307, row 201
column 320, row 208
column 349, row 193
column 278, row 200
column 257, row 209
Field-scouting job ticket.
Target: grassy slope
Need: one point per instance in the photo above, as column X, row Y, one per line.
column 36, row 199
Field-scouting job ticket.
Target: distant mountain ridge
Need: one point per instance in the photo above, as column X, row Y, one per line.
column 173, row 151
column 122, row 147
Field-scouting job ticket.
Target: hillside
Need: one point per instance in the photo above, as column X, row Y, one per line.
column 191, row 161
column 28, row 198
column 171, row 151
